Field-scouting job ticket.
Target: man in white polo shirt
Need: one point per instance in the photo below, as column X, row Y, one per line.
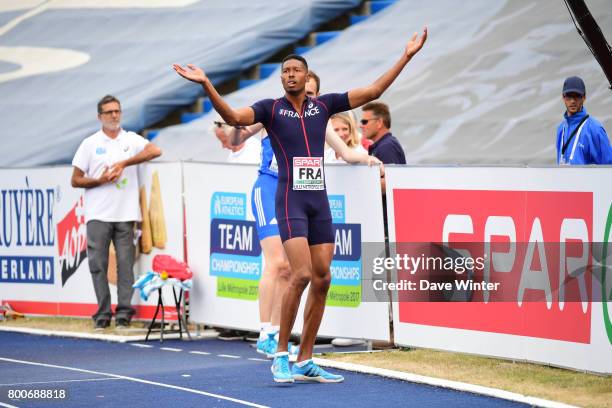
column 105, row 166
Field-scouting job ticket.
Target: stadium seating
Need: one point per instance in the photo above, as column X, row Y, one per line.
column 59, row 59
column 478, row 93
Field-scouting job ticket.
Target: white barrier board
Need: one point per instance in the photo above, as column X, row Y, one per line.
column 530, row 315
column 43, row 242
column 225, row 255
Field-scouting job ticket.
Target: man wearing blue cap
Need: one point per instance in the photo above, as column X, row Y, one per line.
column 581, row 139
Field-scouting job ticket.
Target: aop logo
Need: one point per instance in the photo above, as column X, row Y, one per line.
column 72, row 240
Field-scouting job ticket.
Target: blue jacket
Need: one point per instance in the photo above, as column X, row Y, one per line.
column 588, row 146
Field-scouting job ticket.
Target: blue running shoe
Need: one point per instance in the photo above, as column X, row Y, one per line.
column 268, row 346
column 280, row 369
column 312, row 372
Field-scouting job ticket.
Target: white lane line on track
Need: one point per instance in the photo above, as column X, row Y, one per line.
column 259, row 359
column 61, row 381
column 138, row 380
column 227, row 356
column 203, row 353
column 170, row 349
column 2, row 404
column 141, row 345
column 438, row 382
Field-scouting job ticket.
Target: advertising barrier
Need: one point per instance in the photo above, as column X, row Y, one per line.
column 504, row 262
column 532, row 246
column 224, row 251
column 43, row 240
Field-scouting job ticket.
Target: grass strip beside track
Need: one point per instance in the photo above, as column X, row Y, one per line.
column 535, row 380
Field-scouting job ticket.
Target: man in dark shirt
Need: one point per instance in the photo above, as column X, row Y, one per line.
column 375, row 126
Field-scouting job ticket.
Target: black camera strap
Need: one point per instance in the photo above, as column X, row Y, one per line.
column 573, row 134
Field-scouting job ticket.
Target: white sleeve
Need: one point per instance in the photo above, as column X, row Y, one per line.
column 329, row 155
column 255, row 152
column 360, row 149
column 82, row 157
column 138, row 142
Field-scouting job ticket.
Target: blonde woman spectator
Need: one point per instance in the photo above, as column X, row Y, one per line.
column 344, row 125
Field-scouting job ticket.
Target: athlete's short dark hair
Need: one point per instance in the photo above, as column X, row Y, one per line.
column 107, row 99
column 295, row 57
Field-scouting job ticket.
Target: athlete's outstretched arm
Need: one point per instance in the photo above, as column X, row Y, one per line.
column 349, row 155
column 361, row 96
column 240, row 135
column 242, row 116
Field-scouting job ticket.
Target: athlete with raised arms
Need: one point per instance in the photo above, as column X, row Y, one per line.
column 296, row 124
column 276, row 273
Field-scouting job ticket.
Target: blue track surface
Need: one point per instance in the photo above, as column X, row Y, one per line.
column 165, row 378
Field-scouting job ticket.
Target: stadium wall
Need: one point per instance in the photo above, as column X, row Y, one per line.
column 226, row 257
column 43, row 268
column 553, row 304
column 43, row 258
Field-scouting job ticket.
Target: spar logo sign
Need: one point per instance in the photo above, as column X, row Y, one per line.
column 72, row 240
column 536, row 245
column 235, row 253
column 606, row 279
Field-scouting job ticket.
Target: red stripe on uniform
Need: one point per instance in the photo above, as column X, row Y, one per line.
column 287, row 166
column 304, row 130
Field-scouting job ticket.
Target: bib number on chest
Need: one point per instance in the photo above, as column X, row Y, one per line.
column 308, row 173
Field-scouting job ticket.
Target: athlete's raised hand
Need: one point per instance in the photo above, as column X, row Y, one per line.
column 416, row 43
column 190, row 72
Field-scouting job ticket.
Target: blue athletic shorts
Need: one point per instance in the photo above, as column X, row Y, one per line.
column 263, row 206
column 304, row 214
